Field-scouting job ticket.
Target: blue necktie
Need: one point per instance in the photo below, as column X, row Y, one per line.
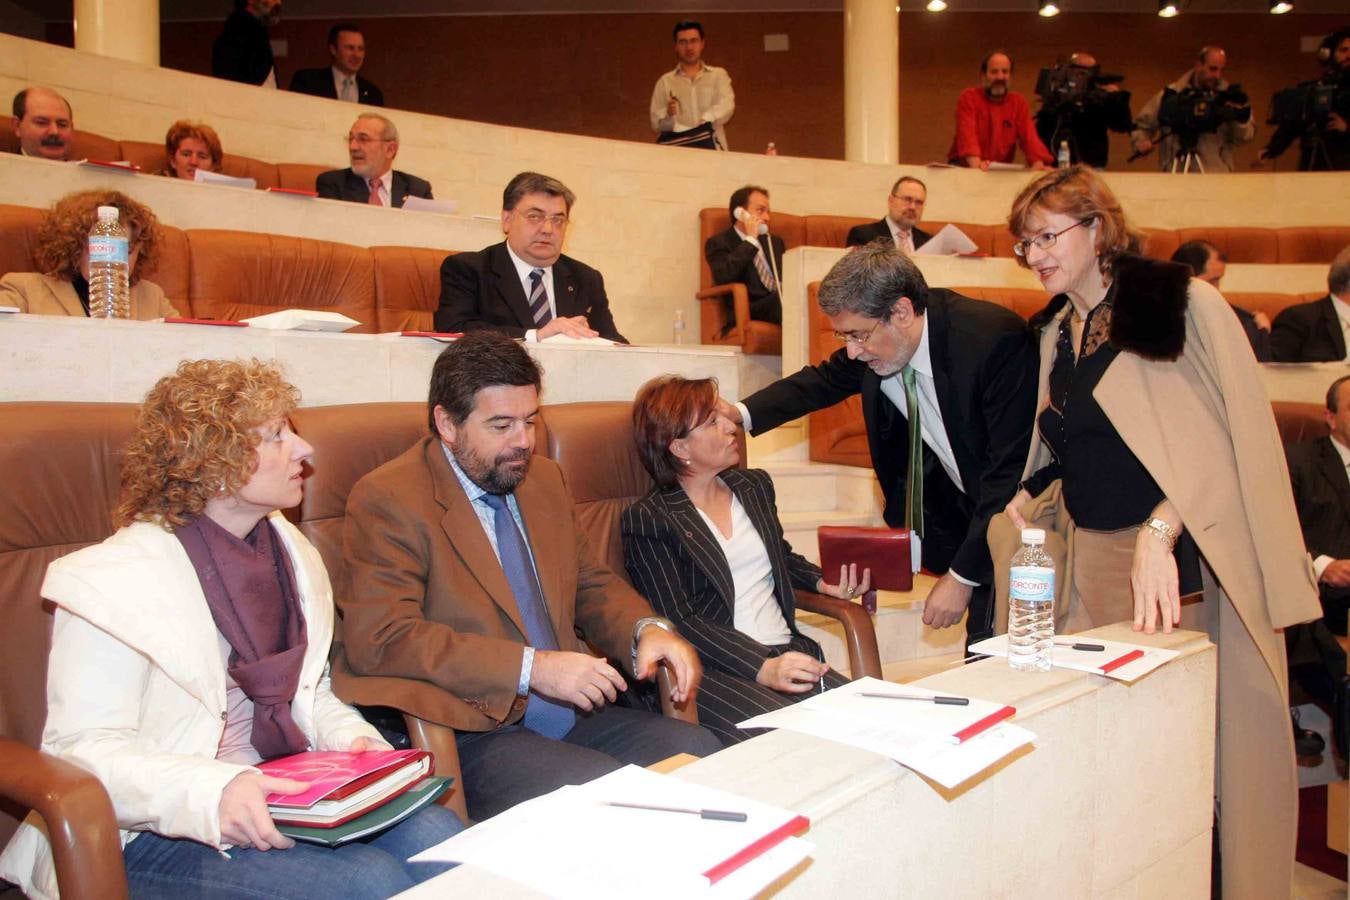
column 542, row 716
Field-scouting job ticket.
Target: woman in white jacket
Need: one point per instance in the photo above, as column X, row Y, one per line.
column 192, row 644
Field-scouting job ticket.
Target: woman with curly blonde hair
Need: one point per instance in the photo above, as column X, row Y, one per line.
column 189, row 146
column 61, row 288
column 193, row 644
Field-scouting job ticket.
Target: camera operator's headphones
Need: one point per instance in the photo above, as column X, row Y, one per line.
column 1327, row 49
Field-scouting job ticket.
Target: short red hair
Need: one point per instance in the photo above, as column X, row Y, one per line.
column 667, row 409
column 182, row 130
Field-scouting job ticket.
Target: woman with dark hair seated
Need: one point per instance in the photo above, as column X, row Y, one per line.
column 61, row 287
column 706, row 549
column 189, row 146
column 193, row 644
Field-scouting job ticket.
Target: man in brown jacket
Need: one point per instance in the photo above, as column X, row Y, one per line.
column 469, row 583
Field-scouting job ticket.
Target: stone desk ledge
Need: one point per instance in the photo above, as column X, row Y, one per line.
column 1113, row 800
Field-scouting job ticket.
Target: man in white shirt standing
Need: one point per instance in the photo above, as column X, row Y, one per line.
column 693, row 94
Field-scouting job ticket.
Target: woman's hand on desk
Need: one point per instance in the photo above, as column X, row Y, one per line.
column 244, row 819
column 1014, row 508
column 1153, row 575
column 791, row 673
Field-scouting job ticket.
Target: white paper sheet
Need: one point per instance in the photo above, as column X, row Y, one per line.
column 950, row 241
column 917, row 735
column 1091, row 660
column 205, row 177
column 564, row 831
column 303, row 320
column 566, row 340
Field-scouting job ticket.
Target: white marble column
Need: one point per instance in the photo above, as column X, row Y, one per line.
column 125, row 29
column 871, row 79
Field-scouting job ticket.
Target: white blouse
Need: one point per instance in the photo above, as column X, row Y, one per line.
column 756, row 611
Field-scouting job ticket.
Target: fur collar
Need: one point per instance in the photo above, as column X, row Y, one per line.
column 1148, row 315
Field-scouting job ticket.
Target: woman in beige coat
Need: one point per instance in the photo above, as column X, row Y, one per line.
column 1155, row 427
column 61, row 288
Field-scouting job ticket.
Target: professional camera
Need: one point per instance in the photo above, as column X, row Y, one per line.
column 1310, row 105
column 1073, row 88
column 1192, row 112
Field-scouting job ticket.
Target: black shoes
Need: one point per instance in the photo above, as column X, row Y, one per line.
column 1306, row 741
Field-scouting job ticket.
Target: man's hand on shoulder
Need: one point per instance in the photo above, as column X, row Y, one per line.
column 656, row 645
column 587, row 682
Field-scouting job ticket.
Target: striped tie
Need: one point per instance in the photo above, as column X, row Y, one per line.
column 539, row 299
column 762, row 269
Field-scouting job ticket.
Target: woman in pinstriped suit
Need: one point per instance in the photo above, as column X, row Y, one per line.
column 705, row 547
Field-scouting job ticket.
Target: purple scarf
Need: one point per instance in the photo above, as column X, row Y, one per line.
column 250, row 588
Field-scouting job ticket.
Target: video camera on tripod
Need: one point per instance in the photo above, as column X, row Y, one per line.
column 1073, row 88
column 1192, row 112
column 1310, row 105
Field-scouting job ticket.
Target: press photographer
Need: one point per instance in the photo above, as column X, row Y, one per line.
column 1079, row 105
column 1316, row 112
column 1197, row 120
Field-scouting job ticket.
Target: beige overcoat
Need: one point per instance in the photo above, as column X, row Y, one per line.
column 42, row 295
column 1203, row 427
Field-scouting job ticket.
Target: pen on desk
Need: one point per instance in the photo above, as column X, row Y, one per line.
column 1077, row 646
column 940, row 699
column 720, row 815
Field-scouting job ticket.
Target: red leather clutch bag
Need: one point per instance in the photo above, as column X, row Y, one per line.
column 883, row 550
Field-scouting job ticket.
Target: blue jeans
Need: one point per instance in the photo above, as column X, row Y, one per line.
column 170, row 868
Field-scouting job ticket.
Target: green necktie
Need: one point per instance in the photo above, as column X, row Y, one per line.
column 914, row 481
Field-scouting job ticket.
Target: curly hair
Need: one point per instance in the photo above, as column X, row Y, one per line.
column 64, row 232
column 182, row 130
column 1080, row 192
column 195, row 438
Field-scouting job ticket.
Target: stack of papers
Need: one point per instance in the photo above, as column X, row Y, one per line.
column 1117, row 659
column 950, row 241
column 303, row 320
column 203, row 176
column 946, row 743
column 651, row 852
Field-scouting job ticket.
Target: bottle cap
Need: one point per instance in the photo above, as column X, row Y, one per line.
column 1033, row 535
column 108, row 213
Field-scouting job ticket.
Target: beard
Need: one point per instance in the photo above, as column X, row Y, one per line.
column 496, row 477
column 997, row 90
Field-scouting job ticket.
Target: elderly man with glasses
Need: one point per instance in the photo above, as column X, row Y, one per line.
column 948, row 387
column 525, row 287
column 372, row 145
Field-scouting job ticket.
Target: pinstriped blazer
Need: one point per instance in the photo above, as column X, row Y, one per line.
column 675, row 561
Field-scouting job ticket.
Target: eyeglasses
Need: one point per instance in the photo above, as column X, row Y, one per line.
column 1044, row 241
column 852, row 337
column 537, row 218
column 364, row 139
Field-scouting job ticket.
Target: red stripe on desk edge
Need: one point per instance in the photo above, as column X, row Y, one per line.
column 794, row 826
column 985, row 724
column 1120, row 661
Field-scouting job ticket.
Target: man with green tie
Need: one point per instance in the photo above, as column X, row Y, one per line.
column 948, row 388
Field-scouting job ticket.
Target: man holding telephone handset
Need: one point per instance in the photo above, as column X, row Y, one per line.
column 740, row 255
column 692, row 102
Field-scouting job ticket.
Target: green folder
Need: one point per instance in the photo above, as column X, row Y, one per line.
column 378, row 819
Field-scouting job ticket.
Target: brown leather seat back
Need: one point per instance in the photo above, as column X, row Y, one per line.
column 265, row 173
column 173, row 268
column 1312, row 244
column 1160, row 243
column 837, row 432
column 1026, row 302
column 18, row 238
column 1239, row 245
column 86, row 145
column 61, row 479
column 149, row 157
column 298, row 176
column 407, row 287
column 1267, row 302
column 237, row 274
column 831, row 231
column 1299, row 422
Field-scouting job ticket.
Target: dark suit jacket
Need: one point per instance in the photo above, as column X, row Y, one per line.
column 866, row 234
column 1308, row 332
column 319, row 83
column 429, row 624
column 675, row 561
column 483, row 291
column 985, row 369
column 1258, row 337
column 344, row 184
column 1322, row 497
column 732, row 260
column 242, row 51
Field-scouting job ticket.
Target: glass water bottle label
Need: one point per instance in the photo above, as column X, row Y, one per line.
column 1035, row 583
column 106, row 249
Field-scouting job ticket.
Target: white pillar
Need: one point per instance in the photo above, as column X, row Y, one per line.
column 125, row 29
column 871, row 81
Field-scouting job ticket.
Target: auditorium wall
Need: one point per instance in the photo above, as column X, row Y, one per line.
column 593, row 74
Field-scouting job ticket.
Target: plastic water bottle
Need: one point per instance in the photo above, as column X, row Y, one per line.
column 1062, row 161
column 109, row 288
column 678, row 327
column 1031, row 604
column 771, row 150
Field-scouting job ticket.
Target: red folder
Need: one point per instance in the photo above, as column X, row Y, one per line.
column 883, row 550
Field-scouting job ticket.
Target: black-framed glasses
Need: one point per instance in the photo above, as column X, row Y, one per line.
column 1045, row 241
column 852, row 337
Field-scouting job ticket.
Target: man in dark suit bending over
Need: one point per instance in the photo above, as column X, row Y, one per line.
column 946, row 381
column 372, row 145
column 904, row 209
column 340, row 81
column 738, row 255
column 1317, row 331
column 525, row 287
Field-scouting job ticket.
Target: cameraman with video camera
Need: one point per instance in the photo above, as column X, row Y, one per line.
column 1079, row 104
column 1197, row 120
column 1316, row 112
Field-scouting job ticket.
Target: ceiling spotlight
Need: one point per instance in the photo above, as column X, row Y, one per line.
column 936, row 5
column 1280, row 7
column 1047, row 8
column 1169, row 8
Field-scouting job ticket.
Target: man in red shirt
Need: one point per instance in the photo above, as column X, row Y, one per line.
column 992, row 121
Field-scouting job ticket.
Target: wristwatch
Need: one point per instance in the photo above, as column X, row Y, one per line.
column 1163, row 531
column 659, row 622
